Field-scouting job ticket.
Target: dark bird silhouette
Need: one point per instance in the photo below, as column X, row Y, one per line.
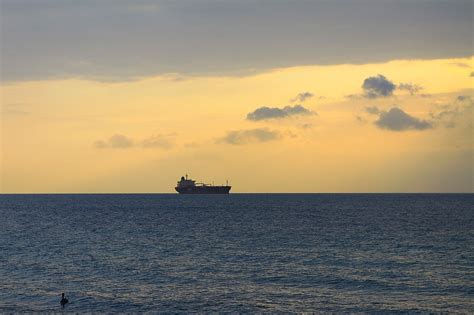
column 64, row 301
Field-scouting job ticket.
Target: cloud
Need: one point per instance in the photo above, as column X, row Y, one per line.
column 192, row 145
column 353, row 96
column 128, row 44
column 445, row 113
column 373, row 110
column 472, row 74
column 306, row 126
column 450, row 124
column 100, row 144
column 460, row 64
column 360, row 120
column 397, row 120
column 378, row 86
column 411, row 88
column 158, row 141
column 15, row 112
column 463, row 98
column 446, row 116
column 265, row 112
column 119, row 141
column 449, row 113
column 239, row 137
column 17, row 109
column 144, row 8
column 301, row 97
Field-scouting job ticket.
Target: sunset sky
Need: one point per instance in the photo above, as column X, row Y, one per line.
column 275, row 96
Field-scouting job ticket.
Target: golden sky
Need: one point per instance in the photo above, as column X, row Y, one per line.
column 408, row 130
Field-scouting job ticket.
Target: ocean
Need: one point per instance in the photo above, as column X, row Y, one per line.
column 237, row 253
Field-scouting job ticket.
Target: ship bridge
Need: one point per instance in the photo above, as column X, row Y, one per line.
column 185, row 182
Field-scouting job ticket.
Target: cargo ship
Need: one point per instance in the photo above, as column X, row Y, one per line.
column 189, row 186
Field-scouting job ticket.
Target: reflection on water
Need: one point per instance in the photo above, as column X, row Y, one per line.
column 242, row 253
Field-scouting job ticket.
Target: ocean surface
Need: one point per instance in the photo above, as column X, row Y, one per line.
column 237, row 253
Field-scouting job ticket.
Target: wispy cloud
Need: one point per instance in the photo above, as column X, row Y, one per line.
column 239, row 137
column 306, row 126
column 360, row 119
column 461, row 64
column 119, row 141
column 448, row 111
column 15, row 109
column 264, row 113
column 373, row 110
column 463, row 98
column 448, row 114
column 157, row 141
column 15, row 112
column 410, row 87
column 301, row 97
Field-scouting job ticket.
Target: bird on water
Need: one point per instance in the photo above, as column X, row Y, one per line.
column 64, row 301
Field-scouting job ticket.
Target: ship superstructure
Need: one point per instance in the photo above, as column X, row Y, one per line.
column 189, row 186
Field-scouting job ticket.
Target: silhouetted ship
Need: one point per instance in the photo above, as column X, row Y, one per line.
column 189, row 186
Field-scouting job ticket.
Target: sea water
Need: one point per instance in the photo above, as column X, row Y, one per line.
column 237, row 253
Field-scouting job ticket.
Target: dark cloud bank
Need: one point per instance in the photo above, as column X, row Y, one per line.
column 264, row 113
column 123, row 40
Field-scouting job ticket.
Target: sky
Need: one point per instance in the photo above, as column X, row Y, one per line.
column 274, row 96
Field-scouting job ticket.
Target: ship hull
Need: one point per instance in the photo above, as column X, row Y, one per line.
column 203, row 190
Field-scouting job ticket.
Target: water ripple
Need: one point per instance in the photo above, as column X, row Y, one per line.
column 237, row 253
